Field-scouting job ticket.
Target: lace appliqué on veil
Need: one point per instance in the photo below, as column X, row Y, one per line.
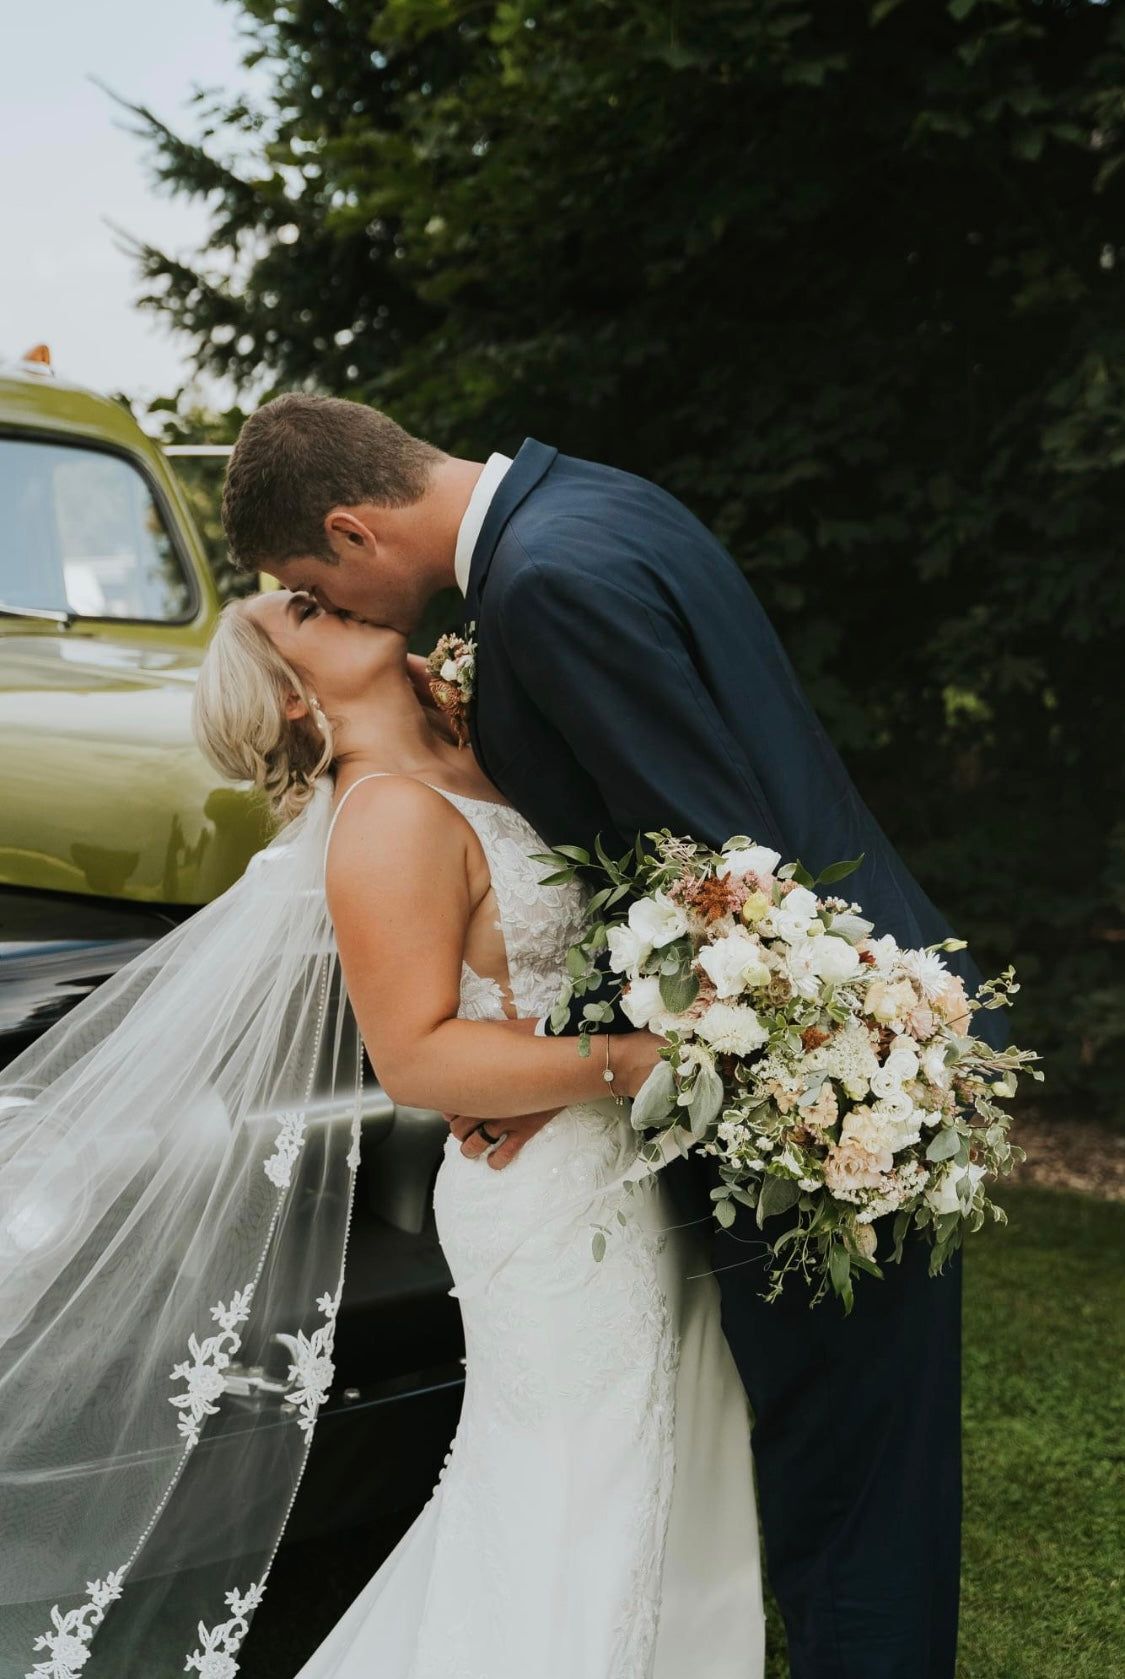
column 204, row 1370
column 312, row 1369
column 288, row 1144
column 220, row 1644
column 69, row 1643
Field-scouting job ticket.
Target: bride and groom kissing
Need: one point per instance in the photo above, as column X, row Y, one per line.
column 178, row 1155
column 597, row 1516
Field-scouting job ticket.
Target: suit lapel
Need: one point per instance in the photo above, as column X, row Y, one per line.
column 525, row 472
column 516, row 485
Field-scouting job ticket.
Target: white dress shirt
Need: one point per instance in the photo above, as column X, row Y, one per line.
column 479, row 502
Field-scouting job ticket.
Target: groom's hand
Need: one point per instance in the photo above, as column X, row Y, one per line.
column 514, row 1133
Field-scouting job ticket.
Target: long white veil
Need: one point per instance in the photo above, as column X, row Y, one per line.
column 177, row 1160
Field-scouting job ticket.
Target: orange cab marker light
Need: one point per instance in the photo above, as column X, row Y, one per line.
column 38, row 353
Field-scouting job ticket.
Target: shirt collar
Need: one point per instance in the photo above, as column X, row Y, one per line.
column 486, row 487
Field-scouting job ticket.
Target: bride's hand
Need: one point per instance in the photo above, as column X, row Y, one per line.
column 632, row 1056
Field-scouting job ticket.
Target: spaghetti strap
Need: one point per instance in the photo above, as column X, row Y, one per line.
column 375, row 775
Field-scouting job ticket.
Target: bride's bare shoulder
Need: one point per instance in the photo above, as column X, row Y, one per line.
column 390, row 819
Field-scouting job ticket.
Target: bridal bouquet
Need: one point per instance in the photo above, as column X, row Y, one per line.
column 832, row 1075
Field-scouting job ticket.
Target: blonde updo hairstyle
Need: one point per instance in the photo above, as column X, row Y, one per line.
column 239, row 717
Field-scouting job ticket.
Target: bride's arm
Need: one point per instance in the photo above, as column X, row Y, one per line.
column 400, row 894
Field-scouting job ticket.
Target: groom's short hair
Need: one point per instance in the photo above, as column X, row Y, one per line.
column 297, row 458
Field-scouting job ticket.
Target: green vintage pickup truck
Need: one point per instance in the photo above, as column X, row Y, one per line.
column 113, row 828
column 112, row 824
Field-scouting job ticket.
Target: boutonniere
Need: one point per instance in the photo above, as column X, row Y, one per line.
column 452, row 666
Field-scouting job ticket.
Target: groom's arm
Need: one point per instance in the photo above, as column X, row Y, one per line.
column 610, row 666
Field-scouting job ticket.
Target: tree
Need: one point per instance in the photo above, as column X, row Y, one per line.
column 184, row 419
column 844, row 276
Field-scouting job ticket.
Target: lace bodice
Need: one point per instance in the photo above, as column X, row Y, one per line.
column 538, row 923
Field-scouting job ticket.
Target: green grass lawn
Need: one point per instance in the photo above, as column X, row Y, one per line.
column 1044, row 1408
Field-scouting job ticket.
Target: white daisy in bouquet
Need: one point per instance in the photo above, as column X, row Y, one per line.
column 832, row 1075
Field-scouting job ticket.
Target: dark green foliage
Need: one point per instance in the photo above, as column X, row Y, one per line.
column 846, row 277
column 173, row 420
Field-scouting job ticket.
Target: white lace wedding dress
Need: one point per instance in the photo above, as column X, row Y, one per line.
column 595, row 1518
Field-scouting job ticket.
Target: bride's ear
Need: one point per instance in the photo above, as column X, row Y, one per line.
column 295, row 707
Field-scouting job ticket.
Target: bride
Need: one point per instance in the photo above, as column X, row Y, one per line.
column 596, row 1518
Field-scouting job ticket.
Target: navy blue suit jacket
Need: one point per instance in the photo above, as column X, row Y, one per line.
column 628, row 680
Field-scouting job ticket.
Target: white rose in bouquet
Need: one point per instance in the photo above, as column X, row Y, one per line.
column 748, row 859
column 903, row 1065
column 642, row 1002
column 815, row 962
column 800, row 965
column 835, row 960
column 734, row 963
column 628, row 949
column 790, row 919
column 885, row 1082
column 658, row 920
column 901, row 1117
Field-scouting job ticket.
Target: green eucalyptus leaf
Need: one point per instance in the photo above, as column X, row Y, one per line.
column 943, row 1145
column 575, row 853
column 678, row 991
column 706, row 1099
column 838, row 871
column 776, row 1196
column 839, row 1267
column 656, row 1099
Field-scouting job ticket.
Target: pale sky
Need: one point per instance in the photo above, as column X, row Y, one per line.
column 66, row 168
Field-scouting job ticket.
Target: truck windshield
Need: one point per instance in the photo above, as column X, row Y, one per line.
column 80, row 533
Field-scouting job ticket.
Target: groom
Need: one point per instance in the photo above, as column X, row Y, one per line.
column 628, row 680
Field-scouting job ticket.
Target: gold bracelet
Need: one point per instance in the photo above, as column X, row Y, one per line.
column 608, row 1076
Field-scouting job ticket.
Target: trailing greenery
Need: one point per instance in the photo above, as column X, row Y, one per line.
column 845, row 276
column 1044, row 1416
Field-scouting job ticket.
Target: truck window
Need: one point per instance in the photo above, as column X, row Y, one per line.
column 81, row 533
